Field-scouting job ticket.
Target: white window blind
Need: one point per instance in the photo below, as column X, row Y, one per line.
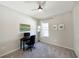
column 44, row 30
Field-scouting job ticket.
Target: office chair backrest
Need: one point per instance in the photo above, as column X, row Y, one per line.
column 27, row 35
column 32, row 39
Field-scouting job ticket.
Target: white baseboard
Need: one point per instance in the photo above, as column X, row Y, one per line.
column 76, row 52
column 9, row 52
column 57, row 45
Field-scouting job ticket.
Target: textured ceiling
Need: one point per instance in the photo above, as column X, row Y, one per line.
column 50, row 8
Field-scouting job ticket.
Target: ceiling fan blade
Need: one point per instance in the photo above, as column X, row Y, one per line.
column 40, row 5
column 43, row 3
column 34, row 9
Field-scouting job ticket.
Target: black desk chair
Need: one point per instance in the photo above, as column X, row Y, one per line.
column 25, row 39
column 31, row 43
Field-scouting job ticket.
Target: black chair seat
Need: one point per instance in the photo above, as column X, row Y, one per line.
column 31, row 42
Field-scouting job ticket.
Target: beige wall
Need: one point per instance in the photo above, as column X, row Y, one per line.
column 61, row 38
column 10, row 35
column 76, row 28
column 9, row 29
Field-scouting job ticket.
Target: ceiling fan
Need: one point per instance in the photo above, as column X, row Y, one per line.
column 40, row 6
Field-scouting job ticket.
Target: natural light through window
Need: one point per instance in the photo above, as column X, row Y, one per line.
column 44, row 30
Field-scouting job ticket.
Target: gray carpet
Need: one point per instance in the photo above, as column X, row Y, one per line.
column 43, row 50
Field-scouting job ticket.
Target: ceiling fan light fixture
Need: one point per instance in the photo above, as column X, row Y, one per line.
column 40, row 10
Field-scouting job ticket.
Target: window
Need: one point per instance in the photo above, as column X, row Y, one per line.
column 38, row 29
column 44, row 30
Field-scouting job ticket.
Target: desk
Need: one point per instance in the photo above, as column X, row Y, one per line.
column 30, row 41
column 22, row 43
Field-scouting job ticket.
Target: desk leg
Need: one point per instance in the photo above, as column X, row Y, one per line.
column 20, row 44
column 23, row 46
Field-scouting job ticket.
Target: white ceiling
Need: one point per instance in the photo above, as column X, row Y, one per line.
column 51, row 8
